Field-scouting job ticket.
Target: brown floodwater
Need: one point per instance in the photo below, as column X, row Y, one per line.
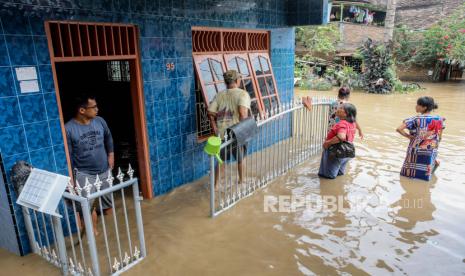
column 387, row 224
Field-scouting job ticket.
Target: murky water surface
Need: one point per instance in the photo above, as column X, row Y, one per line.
column 383, row 223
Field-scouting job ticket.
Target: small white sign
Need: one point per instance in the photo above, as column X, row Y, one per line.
column 29, row 86
column 26, row 73
column 42, row 191
column 430, row 72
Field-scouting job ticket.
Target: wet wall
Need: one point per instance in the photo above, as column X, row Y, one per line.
column 29, row 122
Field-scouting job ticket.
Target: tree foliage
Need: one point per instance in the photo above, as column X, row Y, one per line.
column 406, row 43
column 319, row 39
column 379, row 75
column 443, row 41
column 345, row 76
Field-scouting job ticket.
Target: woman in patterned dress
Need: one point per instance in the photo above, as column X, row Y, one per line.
column 425, row 133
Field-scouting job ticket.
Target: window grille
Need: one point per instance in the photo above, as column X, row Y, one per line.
column 246, row 51
column 240, row 63
column 211, row 40
column 76, row 40
column 204, row 128
column 355, row 63
column 266, row 83
column 118, row 70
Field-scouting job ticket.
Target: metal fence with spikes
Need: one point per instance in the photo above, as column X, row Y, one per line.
column 81, row 242
column 286, row 137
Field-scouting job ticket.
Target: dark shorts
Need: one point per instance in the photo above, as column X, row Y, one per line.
column 232, row 150
column 94, row 203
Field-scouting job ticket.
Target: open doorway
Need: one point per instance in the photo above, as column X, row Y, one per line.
column 103, row 59
column 109, row 82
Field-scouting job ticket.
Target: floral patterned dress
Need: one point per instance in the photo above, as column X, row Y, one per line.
column 333, row 119
column 423, row 148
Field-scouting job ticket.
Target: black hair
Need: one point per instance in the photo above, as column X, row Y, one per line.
column 351, row 112
column 81, row 101
column 427, row 102
column 344, row 92
column 228, row 82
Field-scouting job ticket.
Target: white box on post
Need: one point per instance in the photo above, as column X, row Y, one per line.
column 43, row 191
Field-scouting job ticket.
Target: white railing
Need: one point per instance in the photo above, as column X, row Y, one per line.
column 120, row 243
column 287, row 137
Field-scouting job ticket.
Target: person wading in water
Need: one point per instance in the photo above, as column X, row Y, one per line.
column 425, row 133
column 343, row 96
column 228, row 108
column 344, row 130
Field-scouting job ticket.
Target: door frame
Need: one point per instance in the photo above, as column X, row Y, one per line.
column 137, row 97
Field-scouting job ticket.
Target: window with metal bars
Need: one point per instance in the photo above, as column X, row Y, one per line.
column 118, row 70
column 246, row 51
column 80, row 40
column 210, row 70
column 266, row 83
column 240, row 63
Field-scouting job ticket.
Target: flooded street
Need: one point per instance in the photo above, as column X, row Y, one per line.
column 409, row 226
column 384, row 224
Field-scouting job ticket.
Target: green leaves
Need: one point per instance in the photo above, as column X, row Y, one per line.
column 379, row 75
column 318, row 39
column 444, row 40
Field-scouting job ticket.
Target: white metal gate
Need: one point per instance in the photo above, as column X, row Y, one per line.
column 287, row 137
column 71, row 242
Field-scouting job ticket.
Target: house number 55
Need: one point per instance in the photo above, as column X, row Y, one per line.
column 170, row 66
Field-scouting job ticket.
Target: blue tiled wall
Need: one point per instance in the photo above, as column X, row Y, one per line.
column 29, row 123
column 8, row 237
column 307, row 12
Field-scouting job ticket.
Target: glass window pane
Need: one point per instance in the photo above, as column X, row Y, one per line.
column 262, row 86
column 274, row 102
column 217, row 69
column 210, row 92
column 232, row 64
column 270, row 83
column 256, row 66
column 266, row 103
column 205, row 71
column 247, row 85
column 265, row 66
column 221, row 86
column 254, row 107
column 243, row 68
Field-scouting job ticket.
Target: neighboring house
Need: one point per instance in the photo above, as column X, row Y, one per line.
column 355, row 29
column 420, row 14
column 352, row 32
column 357, row 21
column 141, row 69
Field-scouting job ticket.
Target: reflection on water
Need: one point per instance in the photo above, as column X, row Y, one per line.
column 384, row 224
column 410, row 226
